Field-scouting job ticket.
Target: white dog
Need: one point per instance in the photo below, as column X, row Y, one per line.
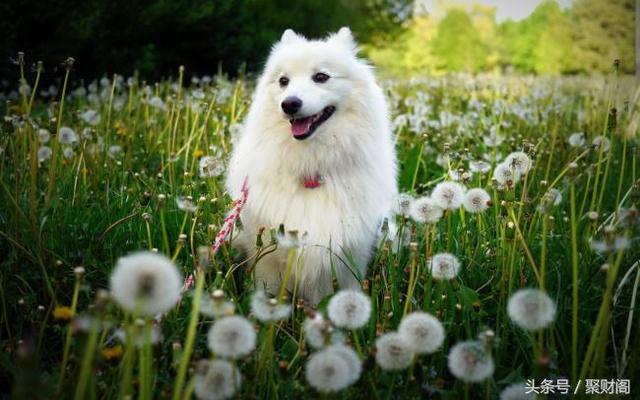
column 316, row 148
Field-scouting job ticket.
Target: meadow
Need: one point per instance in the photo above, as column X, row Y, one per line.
column 94, row 172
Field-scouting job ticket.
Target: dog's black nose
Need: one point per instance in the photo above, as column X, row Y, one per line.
column 291, row 105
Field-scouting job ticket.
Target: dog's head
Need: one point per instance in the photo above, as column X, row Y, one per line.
column 307, row 84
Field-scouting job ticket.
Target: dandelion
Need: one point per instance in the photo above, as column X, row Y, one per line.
column 157, row 102
column 448, row 195
column 394, row 351
column 577, row 139
column 114, row 151
column 44, row 153
column 216, row 380
column 476, row 200
column 211, row 167
column 444, row 266
column 459, row 175
column 327, row 371
column 517, row 391
column 68, row 153
column 62, row 313
column 601, row 143
column 424, row 210
column 186, row 204
column 610, row 244
column 493, row 139
column 112, row 352
column 43, row 135
column 403, row 204
column 551, row 198
column 91, row 117
column 268, row 309
column 520, row 161
column 351, row 357
column 67, row 135
column 139, row 335
column 216, row 306
column 423, row 331
column 319, row 332
column 470, row 362
column 349, row 309
column 531, row 309
column 232, row 337
column 146, row 283
column 505, row 175
column 479, row 166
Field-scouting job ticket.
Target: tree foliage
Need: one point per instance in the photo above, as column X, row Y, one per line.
column 585, row 38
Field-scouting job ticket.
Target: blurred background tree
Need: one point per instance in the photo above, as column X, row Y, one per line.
column 154, row 37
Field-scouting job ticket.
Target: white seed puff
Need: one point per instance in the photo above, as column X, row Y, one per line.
column 393, row 351
column 146, row 283
column 232, row 337
column 216, row 380
column 470, row 362
column 423, row 331
column 531, row 309
column 349, row 309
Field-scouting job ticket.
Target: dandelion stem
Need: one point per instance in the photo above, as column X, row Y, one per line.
column 191, row 333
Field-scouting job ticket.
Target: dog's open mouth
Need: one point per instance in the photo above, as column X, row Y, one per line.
column 304, row 127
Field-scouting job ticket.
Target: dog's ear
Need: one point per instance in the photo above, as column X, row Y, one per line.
column 345, row 38
column 289, row 36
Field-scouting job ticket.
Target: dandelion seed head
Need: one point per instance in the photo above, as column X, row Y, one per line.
column 138, row 334
column 67, row 135
column 91, row 117
column 393, row 351
column 44, row 153
column 424, row 210
column 268, row 309
column 577, row 139
column 216, row 380
column 403, row 204
column 531, row 309
column 146, row 283
column 327, row 371
column 68, row 153
column 211, row 167
column 232, row 337
column 216, row 306
column 505, row 175
column 520, row 161
column 448, row 195
column 479, row 166
column 320, row 333
column 186, row 204
column 444, row 266
column 601, row 143
column 349, row 309
column 43, row 135
column 476, row 200
column 423, row 331
column 470, row 362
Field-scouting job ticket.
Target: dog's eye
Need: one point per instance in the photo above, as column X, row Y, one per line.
column 320, row 77
column 283, row 81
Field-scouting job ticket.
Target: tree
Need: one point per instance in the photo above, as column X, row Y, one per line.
column 604, row 32
column 540, row 43
column 457, row 45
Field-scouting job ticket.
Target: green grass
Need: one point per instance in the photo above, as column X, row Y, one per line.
column 90, row 208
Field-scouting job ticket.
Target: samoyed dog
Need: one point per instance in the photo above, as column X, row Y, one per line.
column 317, row 153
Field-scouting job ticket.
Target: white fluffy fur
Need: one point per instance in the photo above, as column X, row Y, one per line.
column 352, row 150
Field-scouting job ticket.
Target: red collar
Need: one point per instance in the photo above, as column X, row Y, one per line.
column 312, row 182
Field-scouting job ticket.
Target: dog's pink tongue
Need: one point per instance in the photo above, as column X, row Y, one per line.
column 301, row 126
